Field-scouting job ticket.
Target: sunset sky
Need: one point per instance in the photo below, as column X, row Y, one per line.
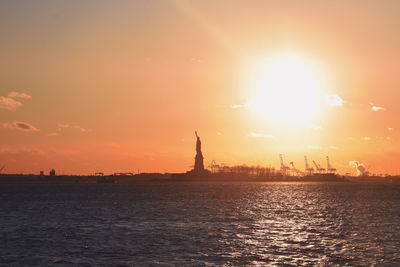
column 118, row 86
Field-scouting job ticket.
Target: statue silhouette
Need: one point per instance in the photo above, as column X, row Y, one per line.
column 198, row 144
column 198, row 160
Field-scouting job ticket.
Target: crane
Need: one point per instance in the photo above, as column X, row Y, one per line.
column 309, row 170
column 2, row 168
column 330, row 169
column 284, row 169
column 214, row 166
column 318, row 167
column 294, row 169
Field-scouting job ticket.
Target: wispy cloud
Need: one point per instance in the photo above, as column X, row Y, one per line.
column 314, row 127
column 367, row 138
column 52, row 134
column 390, row 129
column 20, row 150
column 334, row 100
column 333, row 147
column 197, row 60
column 19, row 95
column 237, row 106
column 376, row 108
column 62, row 126
column 262, row 135
column 8, row 102
column 314, row 147
column 22, row 126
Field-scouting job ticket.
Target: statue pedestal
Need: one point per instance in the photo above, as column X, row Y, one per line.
column 198, row 163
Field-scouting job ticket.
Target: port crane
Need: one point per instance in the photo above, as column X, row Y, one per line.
column 284, row 169
column 2, row 168
column 318, row 167
column 214, row 167
column 294, row 170
column 330, row 169
column 309, row 170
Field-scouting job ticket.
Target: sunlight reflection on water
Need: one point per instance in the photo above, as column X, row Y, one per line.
column 200, row 224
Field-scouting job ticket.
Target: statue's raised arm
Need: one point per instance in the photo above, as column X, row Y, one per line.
column 195, row 132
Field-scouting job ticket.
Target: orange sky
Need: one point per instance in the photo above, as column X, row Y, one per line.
column 89, row 86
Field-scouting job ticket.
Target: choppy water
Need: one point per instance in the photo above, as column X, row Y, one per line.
column 200, row 224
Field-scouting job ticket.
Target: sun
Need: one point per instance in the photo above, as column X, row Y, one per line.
column 286, row 89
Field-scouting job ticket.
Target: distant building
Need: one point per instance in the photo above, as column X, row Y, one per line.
column 41, row 173
column 52, row 172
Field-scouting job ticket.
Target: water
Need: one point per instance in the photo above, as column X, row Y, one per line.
column 200, row 224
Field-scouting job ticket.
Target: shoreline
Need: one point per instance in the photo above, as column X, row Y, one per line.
column 167, row 178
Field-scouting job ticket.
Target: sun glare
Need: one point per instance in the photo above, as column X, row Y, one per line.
column 286, row 89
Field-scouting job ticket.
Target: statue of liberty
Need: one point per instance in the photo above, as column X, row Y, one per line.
column 198, row 160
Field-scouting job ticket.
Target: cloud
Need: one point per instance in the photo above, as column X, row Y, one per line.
column 9, row 103
column 390, row 129
column 334, row 100
column 219, row 133
column 376, row 108
column 261, row 135
column 361, row 170
column 20, row 150
column 22, row 126
column 314, row 147
column 237, row 106
column 367, row 138
column 333, row 147
column 62, row 126
column 52, row 134
column 79, row 128
column 197, row 60
column 19, row 95
column 314, row 127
